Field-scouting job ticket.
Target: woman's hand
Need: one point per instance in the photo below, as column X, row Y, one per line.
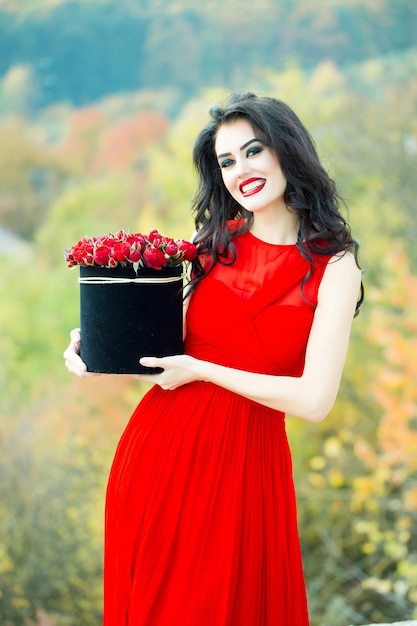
column 73, row 361
column 178, row 370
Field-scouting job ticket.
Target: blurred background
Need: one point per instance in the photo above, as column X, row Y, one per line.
column 100, row 102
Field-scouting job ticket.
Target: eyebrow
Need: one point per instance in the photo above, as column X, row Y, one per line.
column 245, row 145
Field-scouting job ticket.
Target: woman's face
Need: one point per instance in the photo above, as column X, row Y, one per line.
column 251, row 171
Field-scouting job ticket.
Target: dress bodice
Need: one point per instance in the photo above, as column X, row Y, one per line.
column 256, row 314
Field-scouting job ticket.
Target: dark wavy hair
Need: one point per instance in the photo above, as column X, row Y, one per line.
column 310, row 193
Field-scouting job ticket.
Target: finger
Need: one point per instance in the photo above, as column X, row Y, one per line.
column 149, row 361
column 81, row 371
column 75, row 335
column 73, row 361
column 71, row 368
column 71, row 354
column 78, row 368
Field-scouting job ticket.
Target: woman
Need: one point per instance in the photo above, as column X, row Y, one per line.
column 201, row 525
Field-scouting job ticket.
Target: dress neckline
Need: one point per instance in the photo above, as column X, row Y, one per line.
column 267, row 243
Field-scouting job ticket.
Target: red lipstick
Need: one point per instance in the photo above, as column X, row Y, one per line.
column 251, row 186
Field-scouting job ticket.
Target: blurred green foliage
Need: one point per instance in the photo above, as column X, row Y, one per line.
column 185, row 46
column 125, row 162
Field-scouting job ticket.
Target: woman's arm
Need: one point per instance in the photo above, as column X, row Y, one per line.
column 310, row 396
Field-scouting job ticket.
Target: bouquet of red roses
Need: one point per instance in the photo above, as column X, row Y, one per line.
column 130, row 250
column 130, row 298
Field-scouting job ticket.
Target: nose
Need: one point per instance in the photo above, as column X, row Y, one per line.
column 242, row 167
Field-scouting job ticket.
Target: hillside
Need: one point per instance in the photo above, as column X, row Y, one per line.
column 79, row 51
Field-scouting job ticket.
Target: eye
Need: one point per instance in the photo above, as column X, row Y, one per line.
column 226, row 163
column 254, row 150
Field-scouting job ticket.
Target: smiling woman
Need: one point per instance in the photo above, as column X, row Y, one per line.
column 252, row 175
column 201, row 520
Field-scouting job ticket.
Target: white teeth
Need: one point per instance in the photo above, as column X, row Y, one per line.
column 252, row 186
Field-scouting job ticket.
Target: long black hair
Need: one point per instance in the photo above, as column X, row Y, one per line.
column 310, row 193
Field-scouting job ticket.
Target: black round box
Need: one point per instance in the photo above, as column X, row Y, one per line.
column 123, row 318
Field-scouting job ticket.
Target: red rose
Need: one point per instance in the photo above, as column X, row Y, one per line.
column 154, row 258
column 71, row 262
column 171, row 248
column 187, row 250
column 82, row 253
column 155, row 239
column 135, row 256
column 101, row 255
column 89, row 259
column 137, row 243
column 107, row 241
column 152, row 235
column 121, row 251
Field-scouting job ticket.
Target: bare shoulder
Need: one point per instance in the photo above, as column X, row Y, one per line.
column 343, row 264
column 341, row 279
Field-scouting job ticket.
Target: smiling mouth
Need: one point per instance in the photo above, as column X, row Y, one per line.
column 252, row 186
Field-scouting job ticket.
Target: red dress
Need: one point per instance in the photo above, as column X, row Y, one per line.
column 201, row 525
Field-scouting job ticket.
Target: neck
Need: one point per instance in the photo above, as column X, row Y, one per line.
column 276, row 231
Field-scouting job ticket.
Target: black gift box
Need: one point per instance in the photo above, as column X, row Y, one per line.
column 125, row 315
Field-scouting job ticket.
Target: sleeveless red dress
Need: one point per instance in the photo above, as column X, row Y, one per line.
column 201, row 526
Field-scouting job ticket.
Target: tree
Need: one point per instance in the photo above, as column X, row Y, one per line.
column 29, row 177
